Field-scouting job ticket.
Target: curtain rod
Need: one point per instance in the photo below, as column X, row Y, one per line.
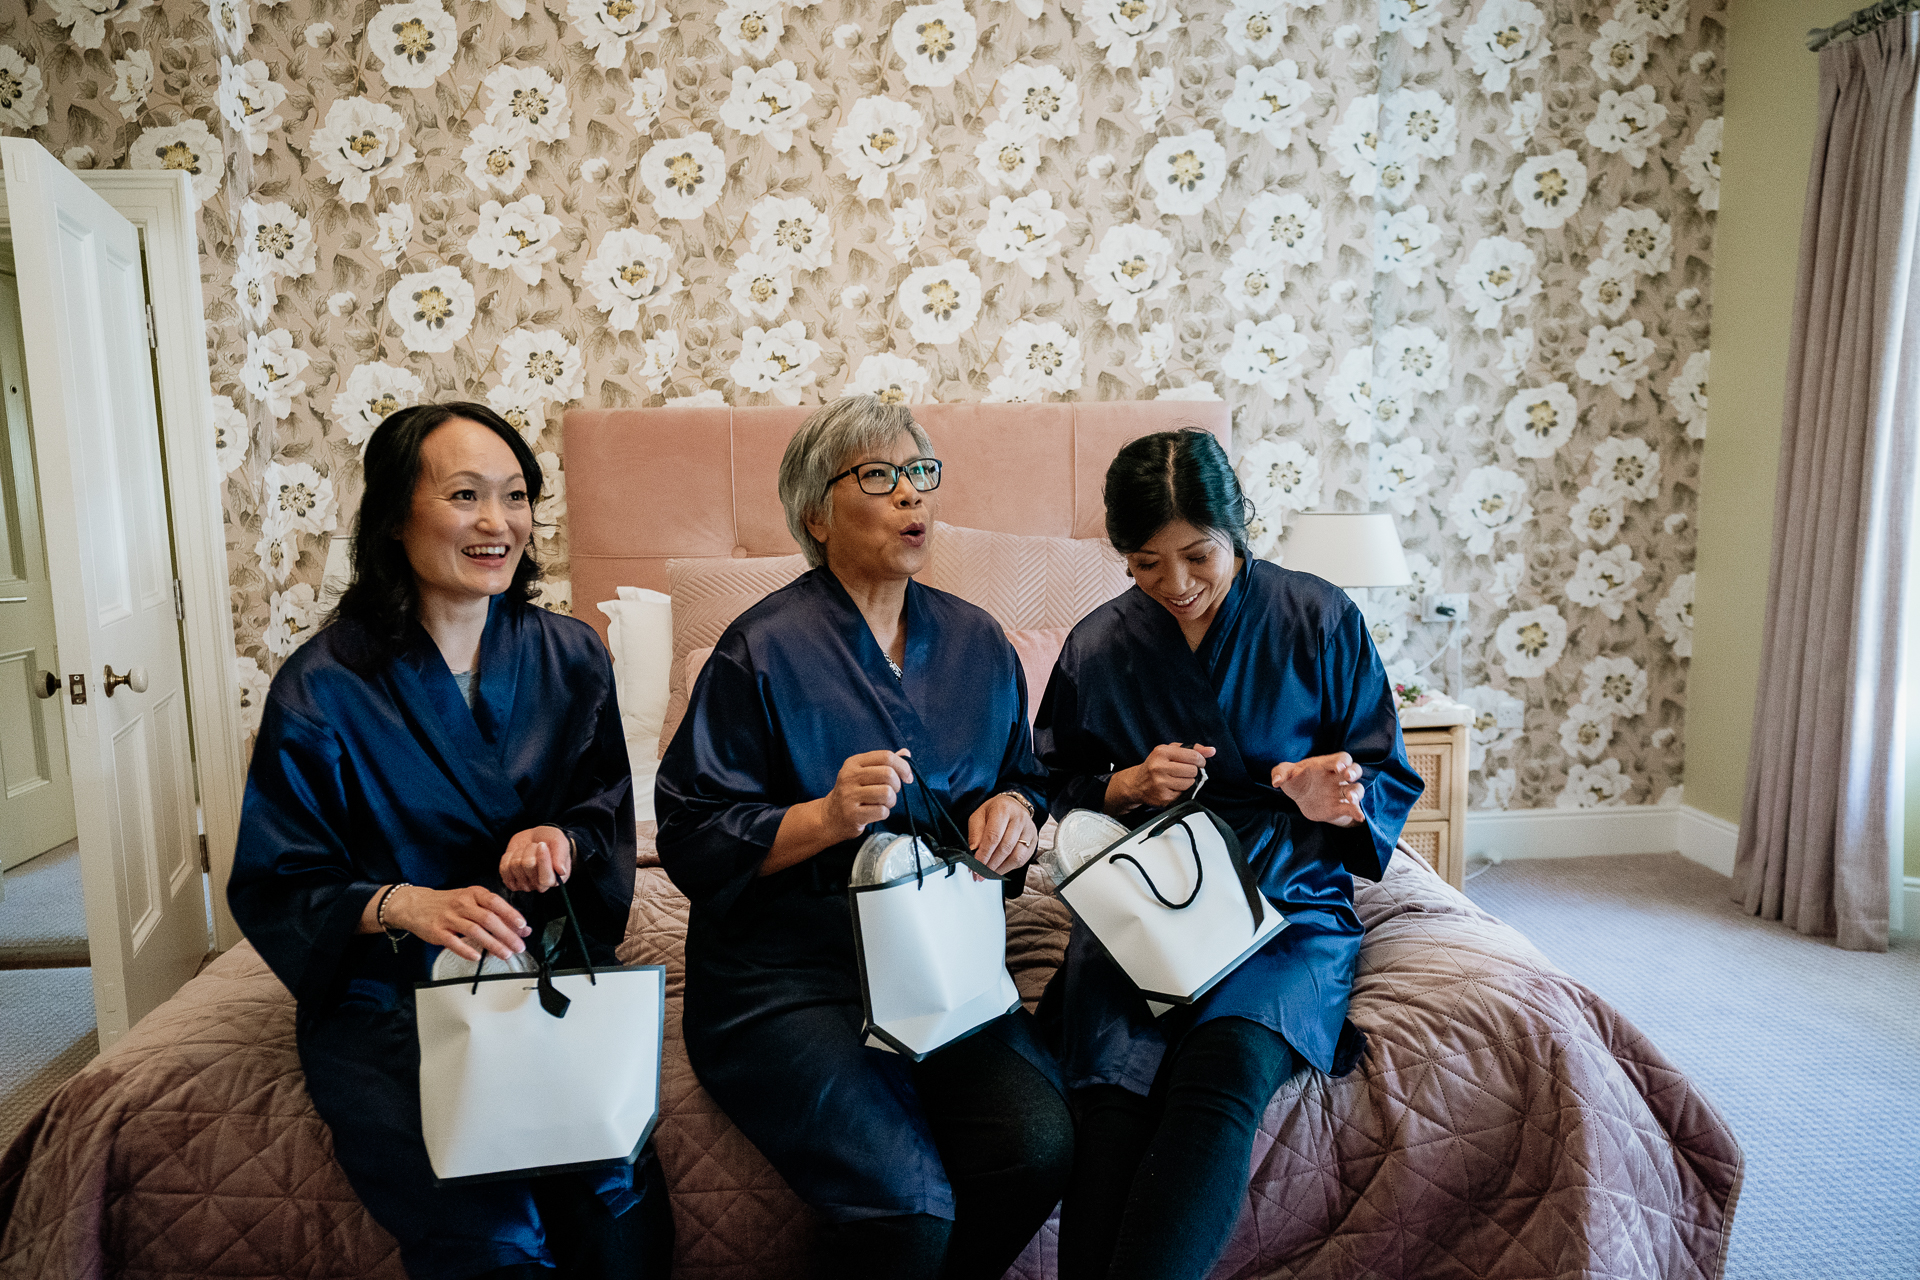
column 1859, row 22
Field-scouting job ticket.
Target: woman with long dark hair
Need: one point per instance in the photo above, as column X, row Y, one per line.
column 429, row 764
column 1268, row 680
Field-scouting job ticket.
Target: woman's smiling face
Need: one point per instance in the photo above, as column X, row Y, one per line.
column 1187, row 570
column 470, row 519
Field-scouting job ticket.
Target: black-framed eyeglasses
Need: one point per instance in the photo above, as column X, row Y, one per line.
column 881, row 478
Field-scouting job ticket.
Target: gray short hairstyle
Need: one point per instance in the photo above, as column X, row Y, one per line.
column 833, row 433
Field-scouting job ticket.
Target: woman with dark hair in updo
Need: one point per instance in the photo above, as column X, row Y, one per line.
column 1272, row 678
column 428, row 765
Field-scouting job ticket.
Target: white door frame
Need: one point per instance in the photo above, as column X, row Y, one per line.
column 159, row 204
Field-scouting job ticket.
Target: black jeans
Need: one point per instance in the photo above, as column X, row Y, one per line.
column 1005, row 1137
column 589, row 1243
column 1158, row 1181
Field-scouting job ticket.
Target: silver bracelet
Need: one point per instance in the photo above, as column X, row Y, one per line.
column 380, row 915
column 1020, row 799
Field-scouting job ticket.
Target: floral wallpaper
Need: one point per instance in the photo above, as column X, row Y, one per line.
column 1447, row 257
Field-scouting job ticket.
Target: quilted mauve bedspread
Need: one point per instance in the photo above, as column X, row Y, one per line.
column 1505, row 1122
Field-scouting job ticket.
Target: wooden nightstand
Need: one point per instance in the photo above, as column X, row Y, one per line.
column 1437, row 826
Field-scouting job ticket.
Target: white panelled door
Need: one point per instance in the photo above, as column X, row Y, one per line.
column 109, row 554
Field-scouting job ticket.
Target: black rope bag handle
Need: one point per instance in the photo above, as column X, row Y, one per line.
column 553, row 999
column 1199, row 869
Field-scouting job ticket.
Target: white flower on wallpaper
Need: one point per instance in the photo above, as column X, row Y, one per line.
column 186, row 146
column 1132, row 267
column 1688, row 395
column 254, row 684
column 1269, row 102
column 1157, row 95
column 1398, row 176
column 1491, row 502
column 248, row 99
column 1620, row 51
column 768, row 103
column 1609, row 287
column 1586, row 731
column 393, row 232
column 848, row 34
column 630, row 269
column 362, row 142
column 1615, row 685
column 434, row 309
column 1348, row 394
column 1392, row 404
column 1616, row 357
column 555, row 595
column 759, row 288
column 1640, row 238
column 1288, row 225
column 1541, row 420
column 1498, row 274
column 1255, row 28
column 794, row 232
column 88, row 19
column 232, row 22
column 527, row 103
column 291, row 619
column 1279, row 477
column 1253, row 280
column 1039, row 100
column 1484, row 734
column 1516, row 349
column 496, row 160
column 895, row 379
column 132, row 81
column 1386, row 616
column 650, row 96
column 318, row 35
column 229, row 435
column 612, row 28
column 1604, row 580
column 751, row 28
column 1399, row 474
column 776, row 362
column 1530, row 641
column 883, row 139
column 1627, row 467
column 1414, row 357
column 1506, row 38
column 1023, row 232
column 552, row 507
column 1419, row 122
column 1628, row 124
column 659, row 355
column 1509, row 571
column 1414, row 19
column 277, row 550
column 1157, row 346
column 272, row 372
column 1596, row 515
column 414, row 43
column 373, row 391
column 907, row 221
column 1186, row 172
column 278, row 238
column 541, row 363
column 253, row 288
column 517, row 237
column 1041, row 357
column 1403, row 243
column 935, row 42
column 1550, row 189
column 299, row 497
column 1124, row 27
column 1266, row 354
column 1354, row 144
column 1674, row 613
column 1594, row 786
column 524, row 411
column 1523, row 119
column 1660, row 17
column 1201, row 390
column 940, row 302
column 684, row 175
column 1700, row 163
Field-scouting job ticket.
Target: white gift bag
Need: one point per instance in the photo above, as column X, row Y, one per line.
column 524, row 1074
column 1174, row 904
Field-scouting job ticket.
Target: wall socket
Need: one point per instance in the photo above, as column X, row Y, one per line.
column 1451, row 607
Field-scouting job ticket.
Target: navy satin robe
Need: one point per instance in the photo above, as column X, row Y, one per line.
column 361, row 781
column 773, row 1012
column 1287, row 670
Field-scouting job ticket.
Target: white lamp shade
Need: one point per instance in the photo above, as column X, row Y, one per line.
column 1347, row 548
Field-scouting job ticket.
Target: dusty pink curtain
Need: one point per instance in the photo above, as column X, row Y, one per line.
column 1825, row 785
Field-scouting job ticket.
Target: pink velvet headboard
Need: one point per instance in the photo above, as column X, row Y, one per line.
column 648, row 485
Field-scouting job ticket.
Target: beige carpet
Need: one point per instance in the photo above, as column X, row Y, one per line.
column 46, row 1035
column 1812, row 1054
column 42, row 924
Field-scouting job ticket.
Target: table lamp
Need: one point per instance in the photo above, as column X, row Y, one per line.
column 1347, row 548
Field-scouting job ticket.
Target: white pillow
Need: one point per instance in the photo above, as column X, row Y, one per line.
column 640, row 633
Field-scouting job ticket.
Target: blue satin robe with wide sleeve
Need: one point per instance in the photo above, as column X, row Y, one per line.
column 1287, row 671
column 363, row 780
column 773, row 1009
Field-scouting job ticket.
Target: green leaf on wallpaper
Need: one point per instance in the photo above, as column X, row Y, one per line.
column 614, row 395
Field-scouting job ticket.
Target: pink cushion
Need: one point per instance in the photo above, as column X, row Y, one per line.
column 708, row 594
column 1038, row 649
column 1025, row 582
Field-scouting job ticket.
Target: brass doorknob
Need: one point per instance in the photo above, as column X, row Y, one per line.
column 135, row 679
column 46, row 684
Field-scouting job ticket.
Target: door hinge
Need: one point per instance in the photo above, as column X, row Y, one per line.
column 206, row 863
column 153, row 343
column 179, row 602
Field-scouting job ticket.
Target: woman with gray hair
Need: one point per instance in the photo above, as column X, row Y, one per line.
column 816, row 709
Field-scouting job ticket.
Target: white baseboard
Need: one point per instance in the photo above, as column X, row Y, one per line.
column 1500, row 834
column 1707, row 840
column 1911, row 905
